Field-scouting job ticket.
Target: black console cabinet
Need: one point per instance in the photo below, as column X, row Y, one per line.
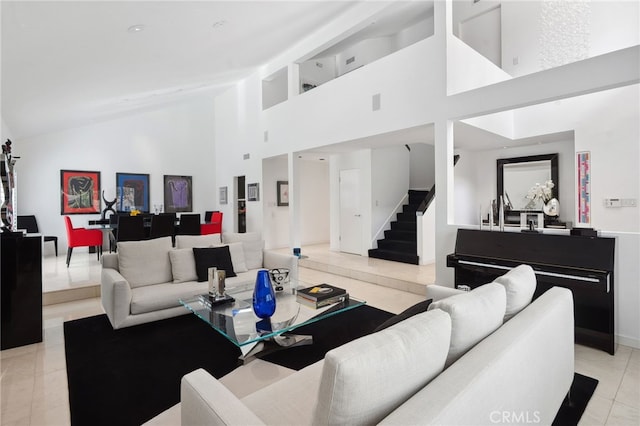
column 21, row 289
column 583, row 264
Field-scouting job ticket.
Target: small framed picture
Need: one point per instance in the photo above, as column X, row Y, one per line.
column 223, row 195
column 283, row 192
column 253, row 192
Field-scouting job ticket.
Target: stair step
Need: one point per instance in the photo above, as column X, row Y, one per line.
column 400, row 234
column 410, row 208
column 398, row 245
column 394, row 256
column 406, row 217
column 404, row 226
column 416, row 197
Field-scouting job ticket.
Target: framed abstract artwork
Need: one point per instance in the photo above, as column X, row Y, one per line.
column 583, row 163
column 178, row 193
column 132, row 192
column 283, row 192
column 79, row 192
column 253, row 192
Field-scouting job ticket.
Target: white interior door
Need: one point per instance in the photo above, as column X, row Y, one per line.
column 350, row 216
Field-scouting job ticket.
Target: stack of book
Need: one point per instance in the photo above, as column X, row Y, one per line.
column 211, row 301
column 321, row 295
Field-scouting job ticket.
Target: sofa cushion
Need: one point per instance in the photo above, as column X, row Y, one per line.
column 474, row 315
column 252, row 245
column 183, row 265
column 164, row 296
column 407, row 313
column 366, row 379
column 190, row 241
column 520, row 284
column 145, row 262
column 209, row 257
column 237, row 257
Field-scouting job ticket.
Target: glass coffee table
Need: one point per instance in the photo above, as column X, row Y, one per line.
column 237, row 322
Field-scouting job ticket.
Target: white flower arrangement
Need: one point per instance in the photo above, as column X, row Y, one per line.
column 541, row 192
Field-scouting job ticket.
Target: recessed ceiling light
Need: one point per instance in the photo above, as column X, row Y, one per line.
column 135, row 28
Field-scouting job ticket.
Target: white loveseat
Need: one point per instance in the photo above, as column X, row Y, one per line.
column 433, row 368
column 145, row 279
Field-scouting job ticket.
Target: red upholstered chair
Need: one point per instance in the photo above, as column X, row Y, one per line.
column 81, row 237
column 214, row 226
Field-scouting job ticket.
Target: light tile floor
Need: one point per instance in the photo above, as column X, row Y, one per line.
column 33, row 385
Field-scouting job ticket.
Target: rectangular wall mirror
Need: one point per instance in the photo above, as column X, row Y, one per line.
column 516, row 176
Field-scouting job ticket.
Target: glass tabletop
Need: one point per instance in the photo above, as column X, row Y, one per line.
column 238, row 323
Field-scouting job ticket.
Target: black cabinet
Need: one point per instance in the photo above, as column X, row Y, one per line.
column 582, row 264
column 20, row 289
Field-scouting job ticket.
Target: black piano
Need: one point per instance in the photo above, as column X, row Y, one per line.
column 582, row 264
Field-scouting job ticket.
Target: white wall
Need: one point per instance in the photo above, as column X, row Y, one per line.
column 276, row 218
column 389, row 186
column 422, row 166
column 341, row 110
column 363, row 53
column 416, row 32
column 176, row 140
column 314, row 202
column 275, row 88
column 613, row 25
column 318, row 71
column 6, row 132
column 606, row 124
column 476, row 179
column 467, row 69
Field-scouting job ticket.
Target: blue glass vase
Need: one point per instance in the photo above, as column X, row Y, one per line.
column 264, row 298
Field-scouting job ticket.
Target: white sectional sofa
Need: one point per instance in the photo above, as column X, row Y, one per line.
column 144, row 280
column 484, row 357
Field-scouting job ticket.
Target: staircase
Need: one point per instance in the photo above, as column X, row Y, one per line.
column 399, row 243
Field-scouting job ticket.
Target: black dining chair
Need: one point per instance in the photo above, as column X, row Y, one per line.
column 30, row 224
column 189, row 224
column 131, row 228
column 163, row 225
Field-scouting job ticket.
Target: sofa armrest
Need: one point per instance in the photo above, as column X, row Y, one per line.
column 272, row 260
column 205, row 401
column 110, row 260
column 115, row 295
column 438, row 292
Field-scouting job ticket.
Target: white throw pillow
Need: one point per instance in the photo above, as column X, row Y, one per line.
column 183, row 265
column 366, row 379
column 253, row 253
column 474, row 315
column 237, row 256
column 191, row 241
column 251, row 243
column 145, row 262
column 520, row 284
column 234, row 237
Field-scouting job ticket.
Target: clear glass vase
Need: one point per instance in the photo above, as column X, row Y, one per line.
column 264, row 298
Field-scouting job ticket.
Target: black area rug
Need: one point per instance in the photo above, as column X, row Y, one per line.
column 128, row 376
column 572, row 408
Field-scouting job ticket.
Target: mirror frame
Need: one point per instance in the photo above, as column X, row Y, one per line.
column 554, row 171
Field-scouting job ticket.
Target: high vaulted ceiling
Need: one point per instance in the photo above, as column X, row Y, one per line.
column 70, row 63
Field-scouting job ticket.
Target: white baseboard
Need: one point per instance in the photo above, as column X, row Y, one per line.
column 628, row 341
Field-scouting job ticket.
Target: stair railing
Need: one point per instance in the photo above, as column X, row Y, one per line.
column 387, row 221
